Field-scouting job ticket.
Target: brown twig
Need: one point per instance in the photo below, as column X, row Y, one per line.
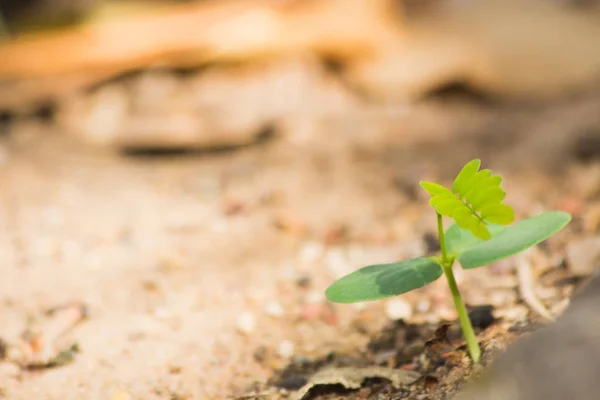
column 526, row 288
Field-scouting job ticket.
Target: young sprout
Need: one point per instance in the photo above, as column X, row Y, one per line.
column 480, row 235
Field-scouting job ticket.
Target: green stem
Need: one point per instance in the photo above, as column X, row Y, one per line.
column 442, row 239
column 463, row 315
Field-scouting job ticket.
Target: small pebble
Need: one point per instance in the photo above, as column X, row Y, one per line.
column 246, row 322
column 423, row 306
column 303, row 281
column 360, row 306
column 292, row 382
column 446, row 313
column 314, row 297
column 274, row 309
column 481, row 316
column 432, row 244
column 583, row 256
column 431, row 382
column 514, row 313
column 286, row 349
column 310, row 252
column 337, row 264
column 261, row 354
column 398, row 308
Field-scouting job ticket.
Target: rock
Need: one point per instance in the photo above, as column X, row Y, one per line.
column 423, row 305
column 398, row 308
column 274, row 309
column 310, row 252
column 292, row 382
column 583, row 256
column 314, row 297
column 561, row 361
column 246, row 323
column 482, row 316
column 337, row 263
column 286, row 349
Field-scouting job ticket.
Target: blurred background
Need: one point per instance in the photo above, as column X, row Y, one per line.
column 181, row 180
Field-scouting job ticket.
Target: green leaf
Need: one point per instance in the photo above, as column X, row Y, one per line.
column 446, row 205
column 507, row 242
column 479, row 180
column 474, row 202
column 384, row 280
column 458, row 239
column 461, row 183
column 488, row 195
column 498, row 214
column 463, row 217
column 480, row 229
column 434, row 188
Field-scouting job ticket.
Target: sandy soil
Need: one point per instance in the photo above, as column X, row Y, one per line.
column 204, row 273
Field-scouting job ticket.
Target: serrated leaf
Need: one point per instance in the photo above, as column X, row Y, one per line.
column 477, row 181
column 507, row 242
column 460, row 184
column 434, row 188
column 462, row 217
column 480, row 229
column 465, row 219
column 481, row 184
column 498, row 214
column 487, row 195
column 446, row 205
column 384, row 280
column 474, row 201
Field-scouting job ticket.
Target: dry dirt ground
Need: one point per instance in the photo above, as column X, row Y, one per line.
column 201, row 275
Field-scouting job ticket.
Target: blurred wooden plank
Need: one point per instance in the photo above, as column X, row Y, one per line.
column 202, row 32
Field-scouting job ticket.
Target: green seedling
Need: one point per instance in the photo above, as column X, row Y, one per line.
column 482, row 233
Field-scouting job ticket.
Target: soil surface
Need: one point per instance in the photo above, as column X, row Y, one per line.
column 201, row 275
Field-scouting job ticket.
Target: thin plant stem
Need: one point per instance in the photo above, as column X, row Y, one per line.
column 442, row 239
column 463, row 315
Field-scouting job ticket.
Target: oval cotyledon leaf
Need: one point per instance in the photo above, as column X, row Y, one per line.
column 506, row 241
column 379, row 281
column 459, row 239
